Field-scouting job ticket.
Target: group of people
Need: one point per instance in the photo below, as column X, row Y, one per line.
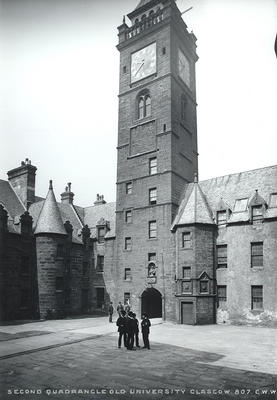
column 128, row 328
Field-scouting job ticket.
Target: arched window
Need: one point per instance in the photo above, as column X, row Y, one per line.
column 141, row 107
column 144, row 105
column 147, row 105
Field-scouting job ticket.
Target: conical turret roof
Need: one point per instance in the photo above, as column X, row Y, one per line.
column 50, row 220
column 195, row 209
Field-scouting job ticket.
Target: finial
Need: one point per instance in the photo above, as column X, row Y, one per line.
column 69, row 186
column 123, row 19
column 50, row 185
column 195, row 177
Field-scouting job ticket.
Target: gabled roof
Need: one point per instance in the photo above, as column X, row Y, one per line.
column 50, row 220
column 256, row 199
column 194, row 208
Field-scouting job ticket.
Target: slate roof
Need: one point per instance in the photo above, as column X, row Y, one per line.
column 10, row 200
column 49, row 219
column 229, row 188
column 195, row 209
column 93, row 214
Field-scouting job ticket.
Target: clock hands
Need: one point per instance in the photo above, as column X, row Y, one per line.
column 139, row 68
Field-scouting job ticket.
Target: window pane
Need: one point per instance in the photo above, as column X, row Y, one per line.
column 128, row 243
column 186, row 272
column 147, row 106
column 100, row 263
column 152, row 229
column 153, row 166
column 257, row 254
column 273, row 200
column 153, row 196
column 129, row 187
column 257, row 297
column 128, row 216
column 186, row 240
column 101, row 234
column 127, row 274
column 221, row 217
column 141, row 107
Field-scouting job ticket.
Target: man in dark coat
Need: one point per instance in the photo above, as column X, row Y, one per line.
column 136, row 331
column 130, row 328
column 110, row 310
column 121, row 323
column 145, row 325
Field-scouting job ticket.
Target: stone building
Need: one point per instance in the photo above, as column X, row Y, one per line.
column 193, row 252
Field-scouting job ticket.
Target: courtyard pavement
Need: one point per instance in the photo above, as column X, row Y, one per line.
column 79, row 359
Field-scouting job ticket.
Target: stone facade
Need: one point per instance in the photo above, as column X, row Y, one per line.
column 193, row 252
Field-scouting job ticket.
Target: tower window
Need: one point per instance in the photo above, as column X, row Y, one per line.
column 124, row 69
column 186, row 272
column 127, row 274
column 222, row 256
column 186, row 240
column 257, row 254
column 164, row 50
column 153, row 166
column 128, row 243
column 153, row 196
column 128, row 216
column 256, row 297
column 129, row 187
column 152, row 229
column 100, row 263
column 144, row 105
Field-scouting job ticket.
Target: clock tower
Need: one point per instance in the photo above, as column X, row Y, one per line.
column 157, row 151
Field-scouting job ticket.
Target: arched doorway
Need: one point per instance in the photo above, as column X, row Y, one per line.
column 151, row 303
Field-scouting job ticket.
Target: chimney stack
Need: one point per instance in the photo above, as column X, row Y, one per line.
column 23, row 181
column 67, row 196
column 99, row 200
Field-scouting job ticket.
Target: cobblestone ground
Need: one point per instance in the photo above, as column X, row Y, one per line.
column 96, row 365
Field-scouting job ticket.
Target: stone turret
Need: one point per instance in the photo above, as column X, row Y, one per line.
column 51, row 236
column 195, row 232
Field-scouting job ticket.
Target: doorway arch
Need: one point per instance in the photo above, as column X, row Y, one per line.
column 151, row 303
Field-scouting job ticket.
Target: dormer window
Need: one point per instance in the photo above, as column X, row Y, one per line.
column 221, row 217
column 241, row 205
column 101, row 232
column 273, row 200
column 257, row 213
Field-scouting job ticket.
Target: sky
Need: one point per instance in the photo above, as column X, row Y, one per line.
column 59, row 82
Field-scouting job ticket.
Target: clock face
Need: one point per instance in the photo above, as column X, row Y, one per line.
column 184, row 68
column 143, row 62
